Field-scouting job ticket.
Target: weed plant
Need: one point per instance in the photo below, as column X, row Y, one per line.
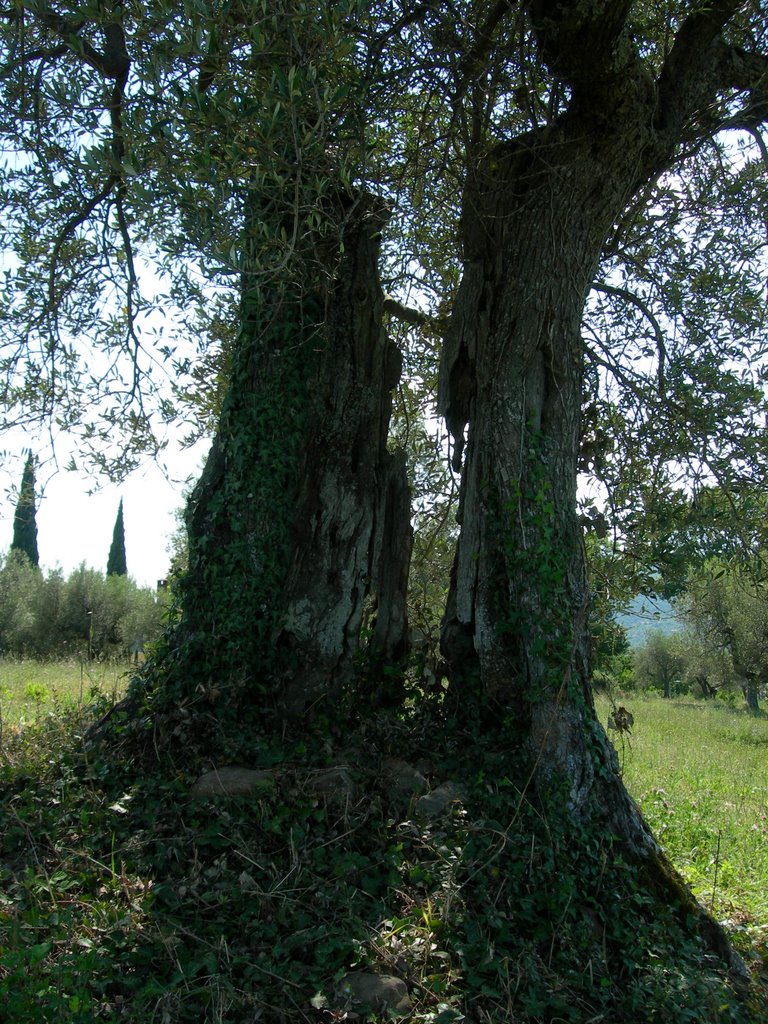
column 30, row 688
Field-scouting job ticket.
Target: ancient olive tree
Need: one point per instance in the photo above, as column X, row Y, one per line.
column 593, row 133
column 536, row 157
column 620, row 101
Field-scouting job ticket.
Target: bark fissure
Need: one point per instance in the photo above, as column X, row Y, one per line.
column 301, row 502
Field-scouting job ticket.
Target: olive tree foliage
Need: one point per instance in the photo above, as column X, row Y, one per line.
column 124, row 185
column 132, row 133
column 681, row 344
column 85, row 615
column 65, row 161
column 660, row 662
column 21, row 598
column 106, row 616
column 726, row 607
column 673, row 427
column 611, row 653
column 721, row 607
column 681, row 663
column 707, row 671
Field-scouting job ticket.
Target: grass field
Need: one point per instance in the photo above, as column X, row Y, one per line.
column 698, row 770
column 29, row 689
column 700, row 773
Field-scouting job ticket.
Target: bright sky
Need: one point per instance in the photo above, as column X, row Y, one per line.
column 75, row 527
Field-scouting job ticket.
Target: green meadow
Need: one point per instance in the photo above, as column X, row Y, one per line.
column 700, row 773
column 698, row 770
column 31, row 689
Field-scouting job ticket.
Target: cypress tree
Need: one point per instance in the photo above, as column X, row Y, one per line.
column 24, row 523
column 116, row 563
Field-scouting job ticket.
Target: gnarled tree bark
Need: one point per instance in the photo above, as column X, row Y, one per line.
column 299, row 528
column 537, row 211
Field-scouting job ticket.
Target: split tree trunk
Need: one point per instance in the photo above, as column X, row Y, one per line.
column 516, row 625
column 299, row 529
column 537, row 213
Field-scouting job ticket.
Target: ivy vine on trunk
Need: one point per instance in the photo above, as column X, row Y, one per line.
column 299, row 528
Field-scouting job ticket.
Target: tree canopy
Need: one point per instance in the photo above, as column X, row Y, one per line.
column 725, row 606
column 133, row 133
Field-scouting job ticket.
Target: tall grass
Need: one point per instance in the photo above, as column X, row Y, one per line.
column 700, row 774
column 29, row 689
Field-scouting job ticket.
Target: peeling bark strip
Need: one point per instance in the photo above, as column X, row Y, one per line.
column 301, row 521
column 537, row 211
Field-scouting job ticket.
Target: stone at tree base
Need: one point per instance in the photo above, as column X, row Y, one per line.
column 403, row 779
column 232, row 781
column 434, row 803
column 332, row 782
column 379, row 993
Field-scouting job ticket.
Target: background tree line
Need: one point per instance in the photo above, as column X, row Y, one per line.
column 706, row 553
column 722, row 647
column 86, row 615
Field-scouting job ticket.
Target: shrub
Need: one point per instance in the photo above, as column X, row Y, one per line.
column 20, row 585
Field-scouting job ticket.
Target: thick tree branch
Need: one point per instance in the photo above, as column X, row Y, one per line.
column 580, row 39
column 42, row 54
column 691, row 70
column 414, row 317
column 746, row 72
column 113, row 62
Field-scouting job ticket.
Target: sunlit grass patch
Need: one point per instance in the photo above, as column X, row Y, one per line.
column 31, row 688
column 700, row 774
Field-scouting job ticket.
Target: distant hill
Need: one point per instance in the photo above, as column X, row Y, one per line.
column 647, row 614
